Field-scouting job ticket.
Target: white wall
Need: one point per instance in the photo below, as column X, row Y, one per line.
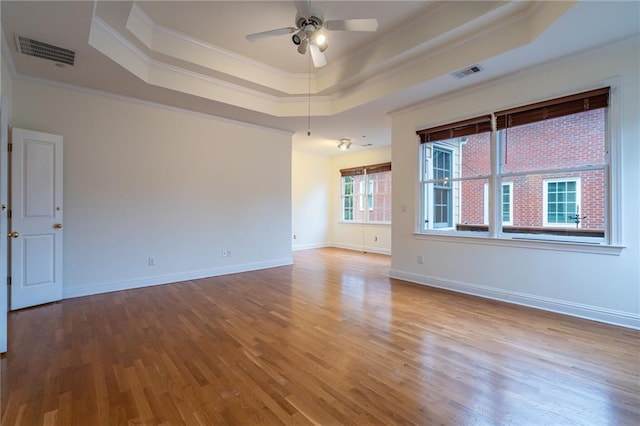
column 598, row 286
column 141, row 181
column 356, row 236
column 310, row 180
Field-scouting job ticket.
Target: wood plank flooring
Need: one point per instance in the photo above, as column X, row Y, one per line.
column 330, row 340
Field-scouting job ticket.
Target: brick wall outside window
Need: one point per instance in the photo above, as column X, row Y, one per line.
column 574, row 140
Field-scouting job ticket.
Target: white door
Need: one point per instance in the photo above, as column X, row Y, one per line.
column 4, row 178
column 36, row 218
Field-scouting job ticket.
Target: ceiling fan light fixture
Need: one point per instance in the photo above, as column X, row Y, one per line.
column 309, row 31
column 298, row 37
column 344, row 144
column 302, row 48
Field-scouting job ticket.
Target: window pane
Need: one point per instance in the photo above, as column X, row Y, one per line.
column 506, row 204
column 380, row 198
column 441, row 164
column 442, row 170
column 453, row 195
column 475, row 155
column 426, row 210
column 543, row 203
column 472, row 205
column 571, row 141
column 347, row 198
column 566, row 211
column 359, row 198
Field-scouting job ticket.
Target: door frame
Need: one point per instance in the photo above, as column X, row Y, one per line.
column 4, row 206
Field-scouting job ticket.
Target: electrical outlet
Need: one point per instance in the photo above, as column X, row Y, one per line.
column 226, row 253
column 151, row 261
column 375, row 238
column 421, row 259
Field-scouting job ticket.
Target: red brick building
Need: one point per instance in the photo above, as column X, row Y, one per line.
column 532, row 199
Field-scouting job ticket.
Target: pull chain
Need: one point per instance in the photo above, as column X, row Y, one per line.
column 309, row 100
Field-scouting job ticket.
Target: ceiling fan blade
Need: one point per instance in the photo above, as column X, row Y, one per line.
column 270, row 33
column 352, row 25
column 319, row 60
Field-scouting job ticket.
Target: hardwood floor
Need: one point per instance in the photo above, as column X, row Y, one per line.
column 331, row 340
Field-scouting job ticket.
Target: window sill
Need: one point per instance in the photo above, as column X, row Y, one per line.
column 344, row 222
column 521, row 242
column 528, row 232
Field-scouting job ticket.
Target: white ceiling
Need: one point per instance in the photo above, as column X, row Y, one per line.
column 194, row 55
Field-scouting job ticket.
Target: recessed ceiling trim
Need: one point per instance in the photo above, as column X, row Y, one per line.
column 112, row 44
column 172, row 43
column 387, row 56
column 439, row 58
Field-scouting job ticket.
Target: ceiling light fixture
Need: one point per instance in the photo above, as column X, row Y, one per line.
column 344, row 144
column 298, row 37
column 302, row 48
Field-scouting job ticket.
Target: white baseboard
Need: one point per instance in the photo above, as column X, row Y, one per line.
column 297, row 247
column 355, row 247
column 609, row 316
column 378, row 250
column 173, row 278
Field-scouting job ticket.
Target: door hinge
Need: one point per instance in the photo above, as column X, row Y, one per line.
column 10, row 147
column 8, row 281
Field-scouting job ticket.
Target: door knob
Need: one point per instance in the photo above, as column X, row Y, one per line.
column 13, row 234
column 57, row 226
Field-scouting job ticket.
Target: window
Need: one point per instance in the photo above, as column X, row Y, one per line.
column 507, row 207
column 366, row 194
column 442, row 200
column 454, row 171
column 347, row 198
column 548, row 162
column 507, row 204
column 561, row 202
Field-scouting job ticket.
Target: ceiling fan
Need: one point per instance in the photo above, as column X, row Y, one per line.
column 308, row 32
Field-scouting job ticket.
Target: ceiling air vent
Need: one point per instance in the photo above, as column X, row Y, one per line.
column 467, row 71
column 43, row 50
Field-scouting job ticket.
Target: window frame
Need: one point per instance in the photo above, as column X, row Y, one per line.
column 367, row 191
column 545, row 200
column 368, row 195
column 486, row 195
column 446, row 185
column 427, row 181
column 344, row 198
column 611, row 244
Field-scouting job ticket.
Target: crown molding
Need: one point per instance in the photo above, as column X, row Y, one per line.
column 175, row 44
column 374, row 72
column 115, row 46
